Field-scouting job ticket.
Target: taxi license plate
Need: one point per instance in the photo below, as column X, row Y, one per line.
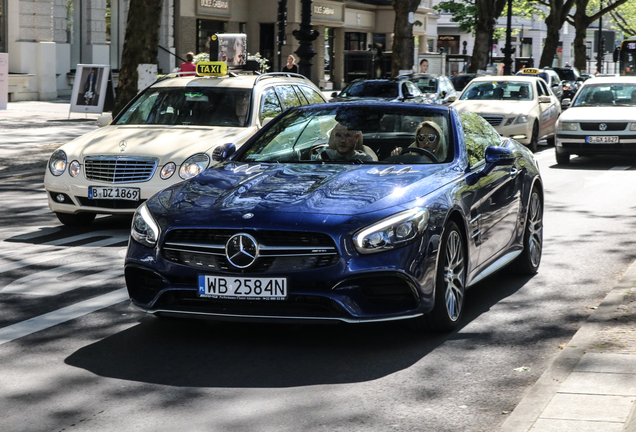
column 242, row 288
column 113, row 193
column 601, row 139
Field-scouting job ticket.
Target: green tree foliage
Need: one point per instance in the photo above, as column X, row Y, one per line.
column 623, row 18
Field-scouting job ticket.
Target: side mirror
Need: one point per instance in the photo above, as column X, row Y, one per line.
column 104, row 120
column 544, row 99
column 452, row 98
column 223, row 152
column 499, row 155
column 565, row 103
column 334, row 94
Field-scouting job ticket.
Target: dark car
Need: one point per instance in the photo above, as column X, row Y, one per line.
column 571, row 78
column 390, row 89
column 382, row 229
column 437, row 89
column 460, row 81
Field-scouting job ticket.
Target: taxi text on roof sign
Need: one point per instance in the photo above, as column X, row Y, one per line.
column 211, row 68
column 529, row 71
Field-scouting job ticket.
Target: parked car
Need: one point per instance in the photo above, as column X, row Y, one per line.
column 520, row 107
column 389, row 89
column 549, row 76
column 601, row 120
column 571, row 79
column 275, row 233
column 461, row 80
column 437, row 89
column 167, row 134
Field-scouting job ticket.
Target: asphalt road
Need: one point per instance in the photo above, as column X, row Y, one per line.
column 75, row 356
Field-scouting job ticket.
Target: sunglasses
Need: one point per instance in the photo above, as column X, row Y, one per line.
column 430, row 137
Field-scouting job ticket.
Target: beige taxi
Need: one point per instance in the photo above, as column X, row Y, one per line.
column 170, row 132
column 519, row 107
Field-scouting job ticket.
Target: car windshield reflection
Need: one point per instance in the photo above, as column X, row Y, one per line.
column 606, row 95
column 499, row 90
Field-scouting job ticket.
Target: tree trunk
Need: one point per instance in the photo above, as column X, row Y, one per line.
column 140, row 47
column 554, row 25
column 580, row 47
column 403, row 44
column 487, row 12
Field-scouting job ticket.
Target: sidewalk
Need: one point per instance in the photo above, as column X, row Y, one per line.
column 590, row 386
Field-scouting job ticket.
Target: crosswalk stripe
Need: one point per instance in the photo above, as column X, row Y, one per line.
column 42, row 322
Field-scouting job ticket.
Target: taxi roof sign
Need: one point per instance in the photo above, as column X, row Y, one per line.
column 217, row 68
column 530, row 71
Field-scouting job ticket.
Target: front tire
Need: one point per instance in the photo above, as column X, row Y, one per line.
column 534, row 139
column 528, row 262
column 75, row 220
column 450, row 283
column 562, row 158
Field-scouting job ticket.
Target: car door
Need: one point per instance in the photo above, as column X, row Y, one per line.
column 548, row 112
column 495, row 190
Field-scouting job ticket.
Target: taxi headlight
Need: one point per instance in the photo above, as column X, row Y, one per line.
column 632, row 127
column 522, row 118
column 57, row 162
column 167, row 170
column 194, row 165
column 144, row 229
column 392, row 232
column 568, row 126
column 74, row 168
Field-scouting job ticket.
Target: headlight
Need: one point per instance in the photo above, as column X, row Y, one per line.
column 194, row 165
column 144, row 228
column 523, row 118
column 632, row 127
column 57, row 163
column 568, row 126
column 391, row 232
column 167, row 170
column 74, row 168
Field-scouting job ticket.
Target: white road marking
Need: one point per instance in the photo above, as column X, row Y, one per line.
column 42, row 322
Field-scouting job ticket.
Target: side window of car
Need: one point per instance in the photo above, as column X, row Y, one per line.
column 301, row 96
column 544, row 87
column 540, row 88
column 413, row 89
column 288, row 96
column 312, row 96
column 478, row 135
column 270, row 105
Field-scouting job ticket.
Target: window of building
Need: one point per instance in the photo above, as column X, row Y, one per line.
column 205, row 29
column 355, row 41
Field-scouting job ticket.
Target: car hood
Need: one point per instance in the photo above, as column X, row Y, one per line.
column 167, row 143
column 494, row 106
column 299, row 188
column 361, row 98
column 597, row 114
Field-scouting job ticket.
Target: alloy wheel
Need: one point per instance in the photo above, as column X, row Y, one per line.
column 454, row 276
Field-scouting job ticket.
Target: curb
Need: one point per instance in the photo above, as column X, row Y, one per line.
column 524, row 416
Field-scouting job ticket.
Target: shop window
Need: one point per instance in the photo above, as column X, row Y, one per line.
column 355, row 41
column 205, row 29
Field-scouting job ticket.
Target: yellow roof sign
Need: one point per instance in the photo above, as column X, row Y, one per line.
column 529, row 71
column 211, row 68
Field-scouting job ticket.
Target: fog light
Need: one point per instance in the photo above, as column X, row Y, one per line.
column 518, row 137
column 59, row 198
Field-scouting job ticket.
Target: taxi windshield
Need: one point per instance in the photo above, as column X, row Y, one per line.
column 355, row 135
column 623, row 94
column 498, row 90
column 196, row 106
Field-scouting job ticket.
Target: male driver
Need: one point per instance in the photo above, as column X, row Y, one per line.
column 423, row 66
column 344, row 141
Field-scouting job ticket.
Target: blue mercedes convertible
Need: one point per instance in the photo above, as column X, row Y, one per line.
column 355, row 212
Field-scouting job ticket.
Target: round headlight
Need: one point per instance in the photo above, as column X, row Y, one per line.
column 74, row 168
column 193, row 166
column 167, row 170
column 57, row 163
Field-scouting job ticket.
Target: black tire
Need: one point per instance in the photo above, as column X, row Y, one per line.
column 528, row 262
column 562, row 158
column 534, row 139
column 450, row 282
column 75, row 220
column 550, row 141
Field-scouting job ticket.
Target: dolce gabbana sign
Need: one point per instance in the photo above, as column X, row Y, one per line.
column 324, row 10
column 333, row 13
column 213, row 7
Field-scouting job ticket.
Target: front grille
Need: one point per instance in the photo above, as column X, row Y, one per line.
column 119, row 169
column 594, row 126
column 494, row 120
column 279, row 251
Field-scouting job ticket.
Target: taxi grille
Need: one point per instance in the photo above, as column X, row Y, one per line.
column 494, row 120
column 595, row 126
column 118, row 169
column 279, row 251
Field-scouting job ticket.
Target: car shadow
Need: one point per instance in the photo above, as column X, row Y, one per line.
column 598, row 163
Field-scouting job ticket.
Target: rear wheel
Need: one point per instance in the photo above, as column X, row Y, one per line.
column 534, row 139
column 528, row 262
column 78, row 219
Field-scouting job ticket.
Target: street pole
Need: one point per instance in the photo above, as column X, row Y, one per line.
column 507, row 69
column 282, row 23
column 305, row 36
column 599, row 57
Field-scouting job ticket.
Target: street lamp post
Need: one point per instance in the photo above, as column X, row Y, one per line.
column 507, row 69
column 305, row 36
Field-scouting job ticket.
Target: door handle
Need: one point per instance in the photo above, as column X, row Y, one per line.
column 514, row 172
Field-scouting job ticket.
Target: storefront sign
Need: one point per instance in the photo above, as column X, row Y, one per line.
column 324, row 10
column 332, row 13
column 214, row 7
column 218, row 4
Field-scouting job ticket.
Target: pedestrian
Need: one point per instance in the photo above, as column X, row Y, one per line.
column 291, row 65
column 188, row 65
column 423, row 66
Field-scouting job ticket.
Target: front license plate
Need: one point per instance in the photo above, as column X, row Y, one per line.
column 113, row 193
column 242, row 288
column 601, row 139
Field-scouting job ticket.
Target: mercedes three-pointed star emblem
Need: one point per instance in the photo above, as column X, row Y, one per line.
column 122, row 145
column 241, row 250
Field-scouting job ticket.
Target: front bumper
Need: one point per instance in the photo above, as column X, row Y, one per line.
column 520, row 132
column 575, row 143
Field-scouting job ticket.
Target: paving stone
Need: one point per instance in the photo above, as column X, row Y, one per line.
column 567, row 406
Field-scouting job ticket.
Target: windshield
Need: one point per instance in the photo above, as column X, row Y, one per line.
column 356, row 135
column 566, row 74
column 606, row 94
column 426, row 84
column 198, row 106
column 379, row 89
column 498, row 90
